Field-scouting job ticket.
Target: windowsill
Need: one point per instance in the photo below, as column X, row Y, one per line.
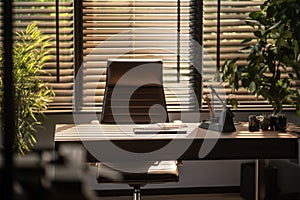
column 202, row 110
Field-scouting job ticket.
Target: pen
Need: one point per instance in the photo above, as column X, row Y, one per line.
column 211, row 112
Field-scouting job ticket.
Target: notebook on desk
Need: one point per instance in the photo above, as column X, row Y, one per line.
column 162, row 128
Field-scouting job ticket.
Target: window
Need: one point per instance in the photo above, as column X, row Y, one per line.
column 91, row 31
column 233, row 30
column 225, row 46
column 58, row 74
column 135, row 29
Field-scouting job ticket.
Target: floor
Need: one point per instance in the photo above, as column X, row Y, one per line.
column 229, row 196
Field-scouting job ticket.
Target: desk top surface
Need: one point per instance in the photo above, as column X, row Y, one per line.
column 240, row 144
column 96, row 132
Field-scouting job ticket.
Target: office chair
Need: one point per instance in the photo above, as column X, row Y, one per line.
column 134, row 94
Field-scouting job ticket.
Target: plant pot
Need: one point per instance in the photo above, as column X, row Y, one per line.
column 278, row 122
column 281, row 122
column 264, row 122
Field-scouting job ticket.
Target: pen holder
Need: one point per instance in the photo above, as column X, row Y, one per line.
column 253, row 123
column 228, row 121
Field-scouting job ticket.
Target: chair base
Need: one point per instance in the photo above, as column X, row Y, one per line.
column 137, row 193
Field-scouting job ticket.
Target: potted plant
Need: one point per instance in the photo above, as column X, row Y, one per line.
column 274, row 55
column 30, row 52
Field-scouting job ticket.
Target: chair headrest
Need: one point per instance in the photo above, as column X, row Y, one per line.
column 134, row 72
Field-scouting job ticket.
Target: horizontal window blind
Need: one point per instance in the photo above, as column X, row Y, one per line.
column 233, row 30
column 59, row 77
column 135, row 29
column 139, row 29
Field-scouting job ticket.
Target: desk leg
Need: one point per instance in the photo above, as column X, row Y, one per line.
column 259, row 180
column 299, row 150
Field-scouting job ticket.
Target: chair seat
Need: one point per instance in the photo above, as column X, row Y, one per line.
column 159, row 171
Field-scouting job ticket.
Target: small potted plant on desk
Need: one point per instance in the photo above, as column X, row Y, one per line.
column 273, row 62
column 32, row 96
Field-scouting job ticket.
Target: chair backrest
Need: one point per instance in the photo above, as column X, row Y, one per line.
column 134, row 92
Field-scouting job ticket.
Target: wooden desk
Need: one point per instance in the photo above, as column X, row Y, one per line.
column 241, row 144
